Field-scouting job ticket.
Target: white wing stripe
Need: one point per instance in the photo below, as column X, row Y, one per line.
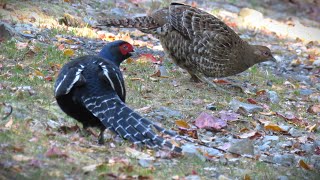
column 122, row 89
column 106, row 73
column 75, row 80
column 60, row 83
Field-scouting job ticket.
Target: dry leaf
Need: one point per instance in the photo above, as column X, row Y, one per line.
column 182, row 124
column 9, row 123
column 137, row 154
column 207, row 121
column 68, row 52
column 273, row 127
column 314, row 109
column 304, row 165
column 20, row 157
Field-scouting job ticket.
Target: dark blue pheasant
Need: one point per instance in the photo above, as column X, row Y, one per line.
column 91, row 89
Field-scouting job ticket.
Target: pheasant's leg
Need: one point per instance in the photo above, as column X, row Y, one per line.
column 101, row 137
column 84, row 132
column 204, row 79
column 194, row 78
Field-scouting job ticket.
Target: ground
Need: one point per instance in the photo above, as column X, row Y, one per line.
column 269, row 131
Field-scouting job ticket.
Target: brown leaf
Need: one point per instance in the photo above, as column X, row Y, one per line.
column 68, row 52
column 55, row 152
column 293, row 119
column 9, row 123
column 252, row 101
column 246, row 177
column 250, row 135
column 207, row 121
column 20, row 157
column 68, row 129
column 221, row 81
column 304, row 165
column 314, row 109
column 182, row 124
column 273, row 127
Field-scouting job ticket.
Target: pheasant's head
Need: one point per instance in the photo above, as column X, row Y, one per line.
column 262, row 54
column 116, row 51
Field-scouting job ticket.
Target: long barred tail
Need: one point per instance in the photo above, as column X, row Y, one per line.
column 143, row 22
column 116, row 116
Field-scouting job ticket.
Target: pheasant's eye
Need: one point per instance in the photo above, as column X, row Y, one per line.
column 125, row 47
column 266, row 53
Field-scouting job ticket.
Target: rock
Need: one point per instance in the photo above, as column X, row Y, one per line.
column 211, row 107
column 250, row 108
column 264, row 147
column 146, row 163
column 223, row 177
column 26, row 30
column 192, row 177
column 316, row 63
column 286, row 159
column 315, row 161
column 273, row 97
column 270, row 138
column 295, row 133
column 282, row 178
column 213, row 152
column 243, row 147
column 169, row 113
column 6, row 31
column 52, row 124
column 191, row 149
column 305, row 92
column 308, row 148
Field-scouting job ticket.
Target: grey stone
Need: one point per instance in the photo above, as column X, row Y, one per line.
column 270, row 138
column 308, row 148
column 211, row 107
column 192, row 177
column 243, row 147
column 282, row 178
column 6, row 31
column 191, row 149
column 316, row 63
column 305, row 92
column 146, row 163
column 273, row 97
column 286, row 159
column 264, row 147
column 250, row 108
column 315, row 161
column 294, row 132
column 169, row 113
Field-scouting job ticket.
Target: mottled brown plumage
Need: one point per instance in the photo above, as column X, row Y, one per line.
column 198, row 41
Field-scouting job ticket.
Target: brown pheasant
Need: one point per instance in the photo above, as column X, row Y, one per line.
column 197, row 41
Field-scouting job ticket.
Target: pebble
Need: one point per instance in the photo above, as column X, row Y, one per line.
column 169, row 113
column 243, row 147
column 146, row 163
column 192, row 177
column 295, row 133
column 270, row 138
column 191, row 149
column 273, row 97
column 250, row 108
column 308, row 148
column 286, row 159
column 282, row 178
column 305, row 92
column 211, row 107
column 316, row 63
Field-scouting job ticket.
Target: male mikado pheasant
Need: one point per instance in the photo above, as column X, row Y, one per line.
column 91, row 89
column 197, row 41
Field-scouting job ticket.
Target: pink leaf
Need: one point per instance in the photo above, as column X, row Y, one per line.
column 207, row 121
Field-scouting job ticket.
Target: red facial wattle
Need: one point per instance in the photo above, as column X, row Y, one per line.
column 126, row 48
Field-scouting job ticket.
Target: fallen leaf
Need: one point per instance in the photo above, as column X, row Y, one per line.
column 311, row 128
column 55, row 152
column 252, row 101
column 317, row 150
column 207, row 121
column 92, row 167
column 221, row 81
column 273, row 127
column 293, row 119
column 9, row 123
column 250, row 135
column 246, row 177
column 20, row 157
column 304, row 165
column 182, row 124
column 228, row 115
column 314, row 109
column 68, row 52
column 137, row 154
column 261, row 92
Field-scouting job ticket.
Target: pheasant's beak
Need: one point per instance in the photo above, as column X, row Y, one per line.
column 272, row 59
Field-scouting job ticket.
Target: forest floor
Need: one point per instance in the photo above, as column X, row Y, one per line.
column 269, row 131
